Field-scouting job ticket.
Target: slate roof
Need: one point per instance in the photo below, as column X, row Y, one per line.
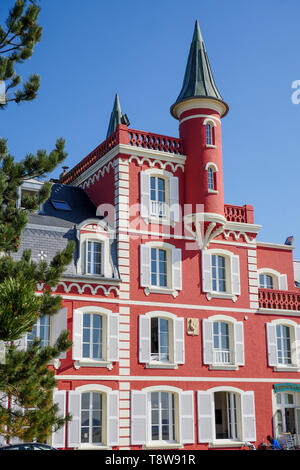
column 49, row 231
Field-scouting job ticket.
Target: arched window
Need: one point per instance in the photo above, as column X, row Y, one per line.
column 220, row 274
column 209, row 134
column 283, row 344
column 211, row 169
column 158, row 196
column 266, row 281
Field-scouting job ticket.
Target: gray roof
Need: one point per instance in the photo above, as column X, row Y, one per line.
column 49, row 231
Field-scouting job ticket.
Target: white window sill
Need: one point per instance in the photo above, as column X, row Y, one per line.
column 92, row 447
column 92, row 363
column 211, row 146
column 221, row 295
column 285, row 368
column 161, row 290
column 212, row 191
column 225, row 443
column 162, row 445
column 161, row 365
column 223, row 367
column 159, row 220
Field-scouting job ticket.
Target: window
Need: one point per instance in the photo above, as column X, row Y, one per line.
column 95, row 337
column 283, row 344
column 162, row 417
column 41, row 330
column 209, row 134
column 91, row 418
column 92, row 336
column 93, row 257
column 95, row 417
column 287, row 415
column 161, row 340
column 218, row 264
column 271, row 279
column 226, row 415
column 223, row 342
column 160, row 268
column 60, row 205
column 266, row 281
column 283, row 338
column 220, row 274
column 211, row 178
column 47, row 329
column 159, row 196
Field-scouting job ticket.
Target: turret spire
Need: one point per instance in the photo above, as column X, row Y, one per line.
column 116, row 117
column 198, row 79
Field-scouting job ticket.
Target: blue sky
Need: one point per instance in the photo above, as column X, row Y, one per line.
column 90, row 50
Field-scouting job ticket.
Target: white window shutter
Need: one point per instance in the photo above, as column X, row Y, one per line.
column 59, row 323
column 113, row 418
column 174, row 198
column 186, row 416
column 235, row 274
column 206, row 417
column 58, row 437
column 145, row 266
column 74, row 425
column 176, row 269
column 239, row 343
column 144, row 339
column 282, row 282
column 138, row 417
column 272, row 347
column 21, row 343
column 145, row 194
column 206, row 272
column 248, row 416
column 77, row 334
column 207, row 341
column 113, row 337
column 297, row 344
column 178, row 328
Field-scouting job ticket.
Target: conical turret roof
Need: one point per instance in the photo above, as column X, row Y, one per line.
column 198, row 79
column 116, row 117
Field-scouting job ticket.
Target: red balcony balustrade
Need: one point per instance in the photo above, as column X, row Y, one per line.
column 278, row 300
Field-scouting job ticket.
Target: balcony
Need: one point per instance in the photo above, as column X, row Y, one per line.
column 278, row 300
column 241, row 214
column 222, row 356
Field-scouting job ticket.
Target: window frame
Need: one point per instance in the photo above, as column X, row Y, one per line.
column 212, row 170
column 176, row 340
column 110, row 401
column 173, row 268
column 141, row 418
column 236, row 343
column 210, row 139
column 92, row 262
column 246, row 421
column 272, row 345
column 232, row 274
column 110, row 336
column 172, row 211
column 279, row 280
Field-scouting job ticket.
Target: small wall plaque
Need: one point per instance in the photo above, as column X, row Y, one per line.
column 193, row 326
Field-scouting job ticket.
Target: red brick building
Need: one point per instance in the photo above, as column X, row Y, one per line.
column 185, row 328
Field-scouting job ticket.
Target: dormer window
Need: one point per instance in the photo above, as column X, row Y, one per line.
column 93, row 257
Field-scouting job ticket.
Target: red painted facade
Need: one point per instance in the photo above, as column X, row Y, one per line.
column 240, row 402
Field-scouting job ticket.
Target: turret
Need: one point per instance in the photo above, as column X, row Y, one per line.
column 199, row 109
